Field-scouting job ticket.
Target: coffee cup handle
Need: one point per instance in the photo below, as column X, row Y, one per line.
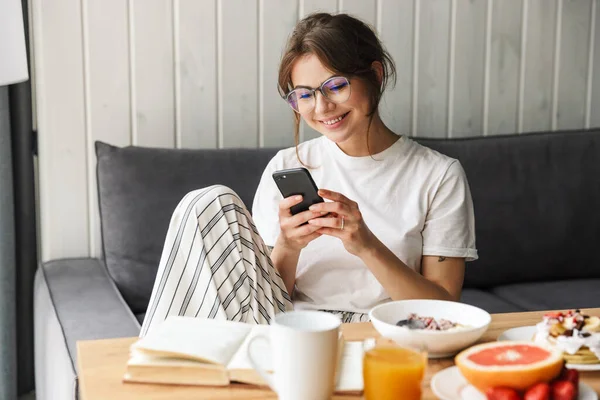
column 263, row 373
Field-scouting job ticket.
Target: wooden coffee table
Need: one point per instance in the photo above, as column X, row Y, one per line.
column 101, row 365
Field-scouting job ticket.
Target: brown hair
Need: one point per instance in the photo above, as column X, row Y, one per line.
column 344, row 45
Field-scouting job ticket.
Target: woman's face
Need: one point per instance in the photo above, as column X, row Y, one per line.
column 325, row 117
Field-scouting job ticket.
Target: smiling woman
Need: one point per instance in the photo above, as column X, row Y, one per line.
column 397, row 221
column 324, row 45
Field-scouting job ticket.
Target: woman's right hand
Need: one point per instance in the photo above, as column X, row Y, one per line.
column 296, row 234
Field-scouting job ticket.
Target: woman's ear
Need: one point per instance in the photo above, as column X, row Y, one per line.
column 378, row 68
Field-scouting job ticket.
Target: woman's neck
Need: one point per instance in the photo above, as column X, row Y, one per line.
column 380, row 138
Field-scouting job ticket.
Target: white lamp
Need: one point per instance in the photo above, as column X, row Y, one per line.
column 13, row 56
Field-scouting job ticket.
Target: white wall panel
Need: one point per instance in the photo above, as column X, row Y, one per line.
column 151, row 29
column 469, row 50
column 203, row 74
column 61, row 126
column 196, row 73
column 573, row 61
column 595, row 78
column 396, row 30
column 432, row 106
column 537, row 97
column 277, row 19
column 238, row 73
column 306, row 7
column 505, row 62
column 107, row 100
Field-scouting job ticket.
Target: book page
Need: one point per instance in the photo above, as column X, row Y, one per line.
column 141, row 359
column 174, row 371
column 350, row 377
column 208, row 340
column 260, row 350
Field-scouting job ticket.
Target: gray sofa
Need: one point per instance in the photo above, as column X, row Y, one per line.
column 536, row 202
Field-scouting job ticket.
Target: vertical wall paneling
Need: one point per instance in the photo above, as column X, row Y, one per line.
column 595, row 96
column 396, row 32
column 537, row 90
column 106, row 78
column 433, row 68
column 572, row 81
column 32, row 78
column 176, row 74
column 522, row 64
column 61, row 124
column 132, row 90
column 590, row 67
column 305, row 8
column 451, row 54
column 196, row 73
column 504, row 66
column 469, row 66
column 153, row 72
column 276, row 124
column 556, row 65
column 415, row 67
column 239, row 73
column 486, row 66
column 203, row 74
column 364, row 9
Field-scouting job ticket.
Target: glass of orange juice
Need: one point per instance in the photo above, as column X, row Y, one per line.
column 392, row 371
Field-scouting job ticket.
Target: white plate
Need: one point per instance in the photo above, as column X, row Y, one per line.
column 449, row 384
column 527, row 332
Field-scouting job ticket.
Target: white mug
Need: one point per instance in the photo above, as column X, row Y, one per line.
column 304, row 351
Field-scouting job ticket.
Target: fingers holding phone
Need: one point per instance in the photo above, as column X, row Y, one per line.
column 345, row 222
column 295, row 230
column 299, row 192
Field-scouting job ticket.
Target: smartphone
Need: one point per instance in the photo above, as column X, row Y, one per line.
column 296, row 181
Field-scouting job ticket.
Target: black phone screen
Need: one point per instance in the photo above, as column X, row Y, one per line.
column 297, row 181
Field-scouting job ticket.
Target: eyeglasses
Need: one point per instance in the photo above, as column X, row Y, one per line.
column 303, row 99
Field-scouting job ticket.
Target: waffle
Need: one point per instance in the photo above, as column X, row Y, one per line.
column 577, row 334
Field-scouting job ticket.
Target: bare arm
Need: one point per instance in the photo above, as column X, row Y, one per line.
column 441, row 278
column 285, row 261
column 295, row 235
column 447, row 272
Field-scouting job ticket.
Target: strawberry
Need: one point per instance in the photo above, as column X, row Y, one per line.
column 563, row 390
column 539, row 391
column 554, row 314
column 502, row 393
column 571, row 375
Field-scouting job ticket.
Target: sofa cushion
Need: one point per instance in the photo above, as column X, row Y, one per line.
column 536, row 200
column 138, row 190
column 557, row 295
column 140, row 317
column 488, row 301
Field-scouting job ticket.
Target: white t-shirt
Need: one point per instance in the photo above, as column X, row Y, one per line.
column 414, row 199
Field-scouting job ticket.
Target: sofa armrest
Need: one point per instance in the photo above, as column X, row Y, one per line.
column 86, row 301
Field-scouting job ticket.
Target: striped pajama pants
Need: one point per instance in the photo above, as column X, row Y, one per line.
column 214, row 264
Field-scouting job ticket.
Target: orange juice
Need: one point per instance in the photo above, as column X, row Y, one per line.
column 391, row 372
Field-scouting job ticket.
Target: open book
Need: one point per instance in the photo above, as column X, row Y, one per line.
column 194, row 351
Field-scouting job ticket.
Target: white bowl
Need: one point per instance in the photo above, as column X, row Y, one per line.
column 438, row 343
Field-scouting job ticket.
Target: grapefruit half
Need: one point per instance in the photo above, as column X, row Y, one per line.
column 512, row 364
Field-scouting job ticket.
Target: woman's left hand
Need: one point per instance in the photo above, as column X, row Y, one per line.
column 344, row 221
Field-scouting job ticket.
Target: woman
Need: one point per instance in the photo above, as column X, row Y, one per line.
column 397, row 222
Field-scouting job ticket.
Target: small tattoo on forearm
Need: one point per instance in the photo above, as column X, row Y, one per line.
column 441, row 259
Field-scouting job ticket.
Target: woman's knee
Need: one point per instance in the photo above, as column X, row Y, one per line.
column 205, row 196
